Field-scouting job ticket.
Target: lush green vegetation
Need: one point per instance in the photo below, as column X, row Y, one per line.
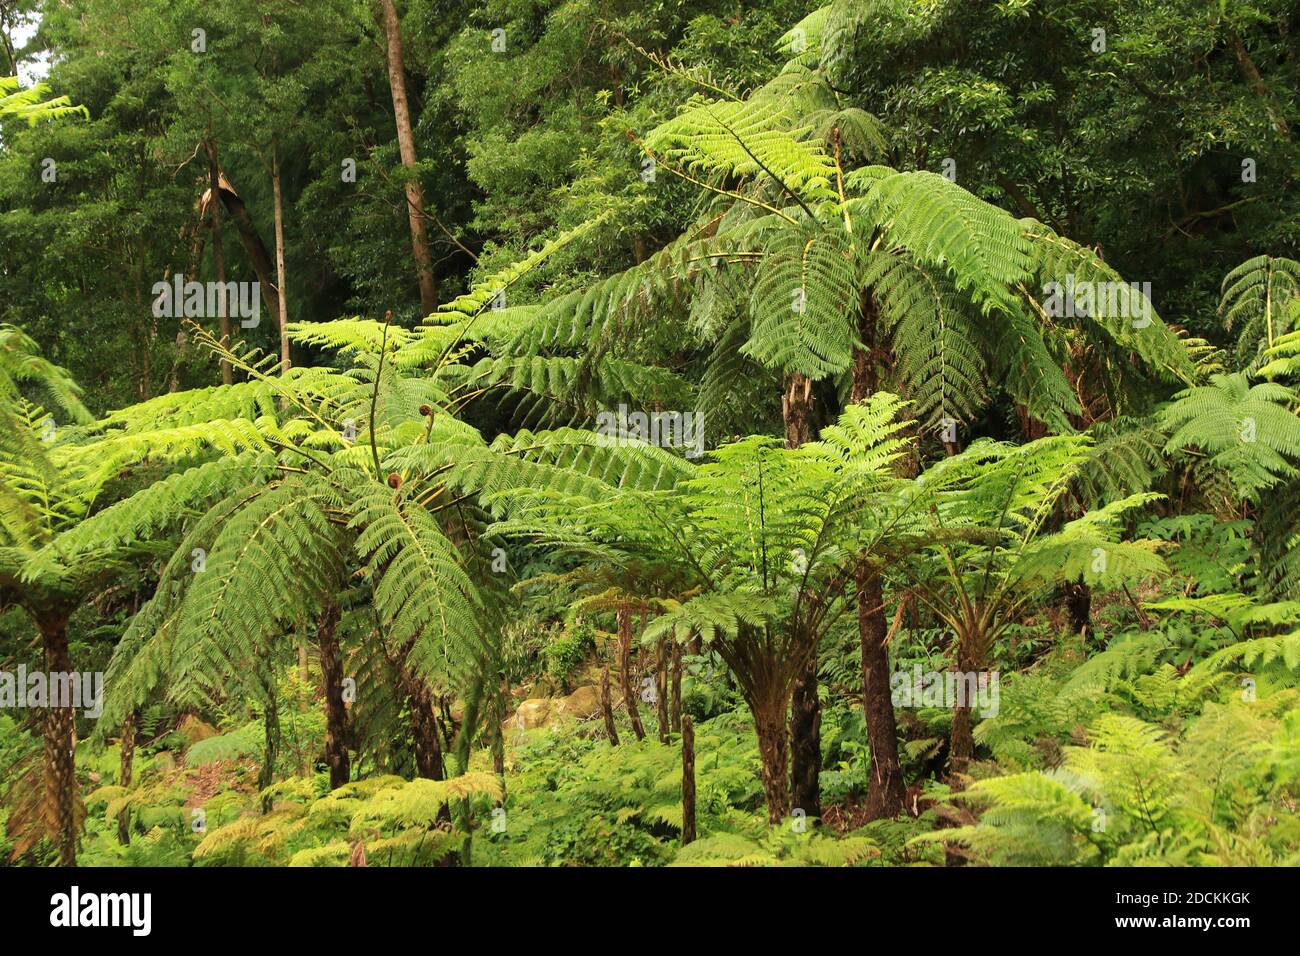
column 512, row 433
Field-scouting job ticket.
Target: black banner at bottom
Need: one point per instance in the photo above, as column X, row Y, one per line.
column 182, row 906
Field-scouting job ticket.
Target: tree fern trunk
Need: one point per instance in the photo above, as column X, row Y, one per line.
column 424, row 725
column 962, row 747
column 606, row 706
column 677, row 687
column 661, row 691
column 625, row 669
column 774, row 754
column 336, row 715
column 806, row 742
column 271, row 747
column 498, row 737
column 963, row 739
column 1078, row 604
column 447, row 725
column 688, row 781
column 805, row 706
column 126, row 770
column 886, row 795
column 60, row 764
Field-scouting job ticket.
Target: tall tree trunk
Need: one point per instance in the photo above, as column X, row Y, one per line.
column 60, row 763
column 197, row 232
column 277, row 189
column 805, row 706
column 406, row 146
column 688, row 781
column 126, row 770
column 886, row 795
column 625, row 669
column 499, row 738
column 218, row 253
column 661, row 691
column 336, row 714
column 677, row 686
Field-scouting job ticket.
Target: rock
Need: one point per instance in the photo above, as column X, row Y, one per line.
column 193, row 729
column 164, row 762
column 535, row 712
column 582, row 704
column 532, row 713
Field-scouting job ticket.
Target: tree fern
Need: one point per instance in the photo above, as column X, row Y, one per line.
column 1257, row 300
column 1249, row 431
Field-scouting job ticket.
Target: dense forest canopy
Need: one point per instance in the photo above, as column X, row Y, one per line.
column 521, row 432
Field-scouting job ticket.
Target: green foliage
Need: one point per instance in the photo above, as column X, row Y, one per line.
column 34, row 103
column 665, row 209
column 566, row 650
column 398, row 822
column 575, row 801
column 1258, row 300
column 1248, row 431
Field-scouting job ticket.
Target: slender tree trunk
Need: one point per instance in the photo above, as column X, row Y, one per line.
column 126, row 770
column 498, row 738
column 197, row 238
column 271, row 748
column 406, row 146
column 886, row 795
column 253, row 245
column 805, row 705
column 218, row 253
column 336, row 714
column 11, row 59
column 1256, row 82
column 60, row 763
column 283, row 317
column 677, row 686
column 625, row 669
column 688, row 781
column 661, row 691
column 606, row 706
